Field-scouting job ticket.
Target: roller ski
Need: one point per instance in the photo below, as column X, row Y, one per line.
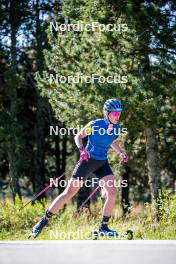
column 38, row 227
column 96, row 234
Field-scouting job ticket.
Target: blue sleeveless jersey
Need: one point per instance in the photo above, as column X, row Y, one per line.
column 99, row 139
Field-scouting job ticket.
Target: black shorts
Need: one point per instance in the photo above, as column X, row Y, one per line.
column 84, row 169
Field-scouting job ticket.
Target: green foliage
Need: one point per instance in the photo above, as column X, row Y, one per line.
column 16, row 223
column 166, row 208
column 86, row 53
column 145, row 53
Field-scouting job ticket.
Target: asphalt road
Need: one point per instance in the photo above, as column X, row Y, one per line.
column 88, row 252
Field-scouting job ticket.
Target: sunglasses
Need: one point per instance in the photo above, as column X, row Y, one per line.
column 116, row 114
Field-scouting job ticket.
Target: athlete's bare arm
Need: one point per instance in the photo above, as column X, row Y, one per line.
column 116, row 147
column 120, row 152
column 80, row 135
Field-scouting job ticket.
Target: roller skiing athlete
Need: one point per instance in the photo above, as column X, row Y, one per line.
column 102, row 134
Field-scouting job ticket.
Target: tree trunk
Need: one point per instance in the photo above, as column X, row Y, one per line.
column 60, row 159
column 85, row 191
column 40, row 140
column 125, row 191
column 13, row 172
column 40, row 118
column 152, row 163
column 82, row 195
column 63, row 160
column 13, row 154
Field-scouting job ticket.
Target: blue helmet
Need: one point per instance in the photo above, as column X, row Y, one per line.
column 112, row 105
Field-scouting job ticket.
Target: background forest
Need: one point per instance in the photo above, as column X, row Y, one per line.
column 31, row 101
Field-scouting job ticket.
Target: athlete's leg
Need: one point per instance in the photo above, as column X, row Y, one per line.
column 70, row 191
column 81, row 170
column 108, row 185
column 72, row 188
column 110, row 191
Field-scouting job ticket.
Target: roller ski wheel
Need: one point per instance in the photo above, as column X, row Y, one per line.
column 129, row 234
column 32, row 235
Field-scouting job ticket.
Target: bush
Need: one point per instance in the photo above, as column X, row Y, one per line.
column 16, row 223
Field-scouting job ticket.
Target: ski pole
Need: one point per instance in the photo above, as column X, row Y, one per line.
column 44, row 190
